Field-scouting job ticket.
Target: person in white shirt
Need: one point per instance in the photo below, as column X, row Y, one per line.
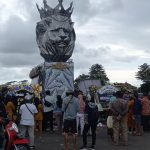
column 48, row 105
column 27, row 112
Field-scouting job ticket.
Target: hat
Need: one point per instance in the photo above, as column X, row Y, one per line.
column 28, row 96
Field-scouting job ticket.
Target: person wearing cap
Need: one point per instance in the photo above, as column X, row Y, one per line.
column 70, row 108
column 27, row 112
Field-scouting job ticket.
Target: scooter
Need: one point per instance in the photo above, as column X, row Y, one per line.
column 12, row 141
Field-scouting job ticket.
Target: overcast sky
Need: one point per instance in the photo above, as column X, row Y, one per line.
column 113, row 33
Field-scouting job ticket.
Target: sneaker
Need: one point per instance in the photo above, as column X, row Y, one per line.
column 84, row 148
column 32, row 147
column 115, row 144
column 92, row 147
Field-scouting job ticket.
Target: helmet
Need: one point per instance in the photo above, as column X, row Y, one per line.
column 28, row 97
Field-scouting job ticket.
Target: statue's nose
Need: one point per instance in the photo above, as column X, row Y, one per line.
column 62, row 34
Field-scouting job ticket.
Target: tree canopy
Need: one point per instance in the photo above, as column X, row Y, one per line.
column 144, row 73
column 97, row 72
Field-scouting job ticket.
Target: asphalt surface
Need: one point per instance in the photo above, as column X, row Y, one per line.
column 54, row 141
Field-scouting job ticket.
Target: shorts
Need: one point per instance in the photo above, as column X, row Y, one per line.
column 70, row 126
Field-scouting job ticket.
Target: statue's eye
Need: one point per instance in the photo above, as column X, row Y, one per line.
column 40, row 28
column 66, row 30
column 47, row 22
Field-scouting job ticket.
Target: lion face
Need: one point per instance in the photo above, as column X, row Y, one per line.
column 56, row 38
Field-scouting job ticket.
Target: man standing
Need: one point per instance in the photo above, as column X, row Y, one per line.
column 27, row 111
column 3, row 117
column 48, row 104
column 119, row 110
column 91, row 119
column 70, row 108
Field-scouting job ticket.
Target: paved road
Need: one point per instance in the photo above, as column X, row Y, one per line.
column 55, row 142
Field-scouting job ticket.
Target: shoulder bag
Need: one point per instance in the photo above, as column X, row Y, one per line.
column 29, row 110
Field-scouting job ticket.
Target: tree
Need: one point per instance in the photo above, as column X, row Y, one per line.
column 145, row 87
column 97, row 72
column 144, row 73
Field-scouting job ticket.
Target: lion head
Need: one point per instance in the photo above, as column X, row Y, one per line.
column 55, row 34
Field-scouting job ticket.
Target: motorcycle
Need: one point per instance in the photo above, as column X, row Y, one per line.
column 13, row 142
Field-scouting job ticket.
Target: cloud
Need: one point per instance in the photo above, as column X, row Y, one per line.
column 18, row 46
column 113, row 76
column 18, row 37
column 19, row 60
column 14, row 74
column 114, row 33
column 107, row 54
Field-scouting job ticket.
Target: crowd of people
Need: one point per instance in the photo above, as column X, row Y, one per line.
column 128, row 116
column 74, row 115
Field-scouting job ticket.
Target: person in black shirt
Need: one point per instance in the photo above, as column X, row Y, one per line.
column 91, row 119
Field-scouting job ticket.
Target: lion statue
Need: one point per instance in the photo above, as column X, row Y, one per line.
column 55, row 34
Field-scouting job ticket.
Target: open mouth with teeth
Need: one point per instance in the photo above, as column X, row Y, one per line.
column 61, row 44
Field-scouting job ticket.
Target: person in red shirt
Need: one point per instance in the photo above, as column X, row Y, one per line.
column 145, row 112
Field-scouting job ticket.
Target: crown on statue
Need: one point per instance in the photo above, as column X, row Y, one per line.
column 58, row 10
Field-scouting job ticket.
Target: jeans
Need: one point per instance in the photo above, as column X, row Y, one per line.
column 93, row 126
column 24, row 129
column 80, row 121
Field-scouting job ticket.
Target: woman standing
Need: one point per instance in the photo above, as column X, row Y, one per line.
column 130, row 120
column 137, row 110
column 80, row 114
